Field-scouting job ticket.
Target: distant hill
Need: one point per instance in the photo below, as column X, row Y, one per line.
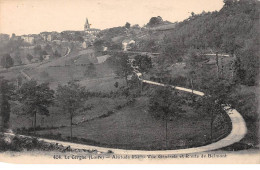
column 233, row 30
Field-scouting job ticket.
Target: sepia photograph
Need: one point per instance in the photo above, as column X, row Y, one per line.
column 129, row 81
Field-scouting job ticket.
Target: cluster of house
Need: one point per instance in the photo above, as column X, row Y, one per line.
column 88, row 37
column 32, row 38
column 89, row 34
column 127, row 44
column 27, row 38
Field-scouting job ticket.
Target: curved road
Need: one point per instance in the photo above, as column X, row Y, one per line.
column 238, row 132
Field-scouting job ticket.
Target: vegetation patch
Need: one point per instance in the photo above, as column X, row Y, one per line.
column 22, row 143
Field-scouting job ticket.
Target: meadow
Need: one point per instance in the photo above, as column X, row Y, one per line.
column 133, row 127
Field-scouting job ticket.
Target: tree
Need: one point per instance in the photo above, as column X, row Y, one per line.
column 122, row 66
column 144, row 63
column 115, row 46
column 172, row 50
column 44, row 52
column 127, row 25
column 98, row 44
column 228, row 2
column 7, row 61
column 135, row 86
column 116, row 84
column 192, row 62
column 19, row 81
column 18, row 60
column 41, row 58
column 165, row 104
column 192, row 14
column 79, row 38
column 48, row 49
column 148, row 45
column 70, row 97
column 161, row 73
column 155, row 21
column 37, row 50
column 35, row 99
column 91, row 70
column 29, row 57
column 218, row 93
column 6, row 91
column 247, row 63
column 57, row 54
column 209, row 105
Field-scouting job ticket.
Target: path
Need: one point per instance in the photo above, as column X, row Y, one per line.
column 25, row 75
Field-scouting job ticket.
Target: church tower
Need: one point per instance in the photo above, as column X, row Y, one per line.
column 89, row 30
column 86, row 26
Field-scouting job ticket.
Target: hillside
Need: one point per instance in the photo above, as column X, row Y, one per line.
column 233, row 30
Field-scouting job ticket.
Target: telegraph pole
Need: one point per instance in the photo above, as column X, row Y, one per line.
column 166, row 129
column 217, row 64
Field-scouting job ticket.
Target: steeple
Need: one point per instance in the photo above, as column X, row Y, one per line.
column 86, row 26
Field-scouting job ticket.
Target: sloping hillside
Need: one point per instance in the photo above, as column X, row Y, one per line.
column 233, row 30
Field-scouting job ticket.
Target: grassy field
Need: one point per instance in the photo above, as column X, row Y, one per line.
column 98, row 106
column 9, row 75
column 105, row 84
column 134, row 128
column 57, row 72
column 103, row 81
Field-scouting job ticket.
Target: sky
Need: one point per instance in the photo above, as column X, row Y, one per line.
column 35, row 16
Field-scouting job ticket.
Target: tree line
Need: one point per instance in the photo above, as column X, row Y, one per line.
column 34, row 99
